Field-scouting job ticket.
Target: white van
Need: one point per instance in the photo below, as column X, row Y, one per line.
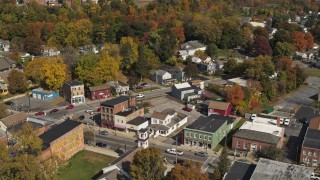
column 253, row 116
column 281, row 120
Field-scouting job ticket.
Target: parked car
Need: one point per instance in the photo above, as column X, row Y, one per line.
column 174, row 151
column 303, row 120
column 179, row 161
column 9, row 103
column 139, row 87
column 103, row 132
column 140, row 96
column 40, row 113
column 81, row 117
column 89, row 110
column 286, row 122
column 202, row 154
column 54, row 110
column 145, row 84
column 70, row 107
column 315, row 176
column 186, row 108
column 101, row 144
column 99, row 109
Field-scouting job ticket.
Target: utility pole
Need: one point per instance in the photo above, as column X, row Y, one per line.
column 176, row 151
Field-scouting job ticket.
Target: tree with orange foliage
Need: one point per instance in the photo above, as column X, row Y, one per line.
column 299, row 42
column 188, row 170
column 284, row 64
column 235, row 94
column 310, row 40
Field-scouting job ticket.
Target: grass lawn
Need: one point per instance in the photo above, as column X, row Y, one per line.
column 226, row 53
column 312, row 72
column 84, row 165
column 146, row 89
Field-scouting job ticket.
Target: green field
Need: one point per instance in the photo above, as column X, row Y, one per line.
column 312, row 72
column 84, row 165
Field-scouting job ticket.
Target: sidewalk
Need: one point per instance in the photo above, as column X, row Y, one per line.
column 104, row 151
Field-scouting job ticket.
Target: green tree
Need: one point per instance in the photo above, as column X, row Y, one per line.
column 191, row 69
column 211, row 50
column 216, row 174
column 85, row 68
column 17, row 82
column 231, row 37
column 283, row 49
column 129, row 52
column 53, row 74
column 272, row 152
column 247, row 37
column 230, row 66
column 147, row 164
column 188, row 170
column 224, row 161
column 147, row 61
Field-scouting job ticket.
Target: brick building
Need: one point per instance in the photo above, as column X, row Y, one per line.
column 217, row 107
column 63, row 140
column 73, row 92
column 113, row 106
column 99, row 92
column 254, row 137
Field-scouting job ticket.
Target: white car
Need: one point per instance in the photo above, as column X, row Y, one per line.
column 174, row 151
column 89, row 110
column 140, row 96
column 286, row 122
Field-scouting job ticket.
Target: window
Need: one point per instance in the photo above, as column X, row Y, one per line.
column 238, row 144
column 309, row 153
column 205, row 137
column 121, row 121
column 209, row 138
column 244, row 146
column 315, row 154
column 111, row 118
column 191, row 134
column 304, row 153
column 195, row 135
column 161, row 122
column 187, row 134
column 200, row 136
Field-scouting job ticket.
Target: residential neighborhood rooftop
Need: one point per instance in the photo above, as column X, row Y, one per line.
column 19, row 126
column 261, row 127
column 58, row 131
column 115, row 101
column 208, row 124
column 311, row 139
column 137, row 121
column 74, row 83
column 14, row 119
column 127, row 112
column 269, row 169
column 239, row 81
column 240, row 170
column 217, row 105
column 182, row 85
column 98, row 88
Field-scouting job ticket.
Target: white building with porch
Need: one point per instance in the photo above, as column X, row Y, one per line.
column 165, row 122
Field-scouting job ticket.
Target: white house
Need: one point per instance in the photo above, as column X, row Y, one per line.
column 165, row 122
column 257, row 24
column 4, row 45
column 143, row 138
column 189, row 48
column 161, row 76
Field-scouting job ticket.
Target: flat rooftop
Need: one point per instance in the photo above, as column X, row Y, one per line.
column 269, row 169
column 240, row 170
column 207, row 124
column 311, row 139
column 261, row 127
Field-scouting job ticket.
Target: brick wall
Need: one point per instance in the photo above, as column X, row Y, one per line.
column 315, row 123
column 310, row 154
column 259, row 145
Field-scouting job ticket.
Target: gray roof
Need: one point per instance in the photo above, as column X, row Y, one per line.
column 161, row 72
column 208, row 124
column 74, row 83
column 137, row 121
column 257, row 136
column 275, row 170
column 240, row 170
column 311, row 139
column 115, row 101
column 195, row 44
column 6, row 63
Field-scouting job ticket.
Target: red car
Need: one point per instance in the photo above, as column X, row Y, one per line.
column 40, row 113
column 99, row 109
column 187, row 109
column 70, row 107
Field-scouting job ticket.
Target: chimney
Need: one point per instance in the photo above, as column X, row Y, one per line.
column 278, row 121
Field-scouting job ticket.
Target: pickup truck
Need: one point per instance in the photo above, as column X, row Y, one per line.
column 174, row 151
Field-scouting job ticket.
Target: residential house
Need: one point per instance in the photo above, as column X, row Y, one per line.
column 10, row 121
column 197, row 83
column 99, row 92
column 6, row 63
column 217, row 107
column 240, row 81
column 45, row 95
column 309, row 55
column 165, row 122
column 113, row 106
column 143, row 138
column 239, row 170
column 125, row 116
column 137, row 124
column 209, row 68
column 3, row 87
column 48, row 51
column 189, row 48
column 162, row 77
column 258, row 24
column 219, row 65
column 254, row 137
column 270, row 169
column 25, row 56
column 73, row 92
column 64, row 140
column 205, row 132
column 185, row 91
column 88, row 48
column 4, row 45
column 118, row 87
